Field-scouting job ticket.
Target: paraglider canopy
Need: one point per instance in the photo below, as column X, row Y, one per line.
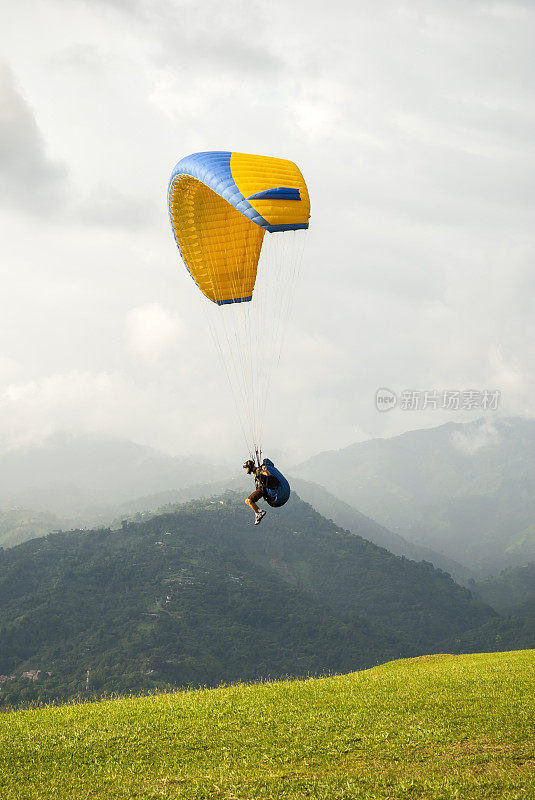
column 220, row 205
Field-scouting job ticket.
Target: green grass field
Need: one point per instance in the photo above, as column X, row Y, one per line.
column 431, row 727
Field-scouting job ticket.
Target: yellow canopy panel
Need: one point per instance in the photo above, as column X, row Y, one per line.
column 220, row 205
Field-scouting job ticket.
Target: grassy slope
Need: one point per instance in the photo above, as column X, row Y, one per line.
column 434, row 727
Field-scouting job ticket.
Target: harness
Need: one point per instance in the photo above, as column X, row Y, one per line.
column 275, row 488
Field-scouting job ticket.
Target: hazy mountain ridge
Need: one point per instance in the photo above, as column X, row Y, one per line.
column 68, row 474
column 351, row 519
column 507, row 592
column 462, row 489
column 18, row 525
column 515, row 631
column 329, row 506
column 459, row 496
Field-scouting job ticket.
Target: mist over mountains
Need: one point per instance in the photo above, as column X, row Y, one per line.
column 460, row 495
column 70, row 474
column 17, row 524
column 465, row 490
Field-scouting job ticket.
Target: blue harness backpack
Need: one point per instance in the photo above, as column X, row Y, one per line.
column 279, row 496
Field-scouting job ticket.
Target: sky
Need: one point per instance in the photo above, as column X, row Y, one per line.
column 413, row 124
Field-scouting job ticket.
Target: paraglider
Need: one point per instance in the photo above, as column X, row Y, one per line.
column 221, row 204
column 271, row 486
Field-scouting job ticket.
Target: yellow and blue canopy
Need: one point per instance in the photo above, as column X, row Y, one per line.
column 220, row 206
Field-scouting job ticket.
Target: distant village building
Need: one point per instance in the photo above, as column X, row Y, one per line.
column 31, row 674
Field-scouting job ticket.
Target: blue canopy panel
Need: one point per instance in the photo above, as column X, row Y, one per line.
column 213, row 168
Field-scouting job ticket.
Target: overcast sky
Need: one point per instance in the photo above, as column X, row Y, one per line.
column 413, row 123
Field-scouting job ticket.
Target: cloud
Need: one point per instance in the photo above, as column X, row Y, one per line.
column 413, row 125
column 30, row 410
column 32, row 182
column 152, row 332
column 201, row 36
column 104, row 205
column 150, row 412
column 8, row 369
column 28, row 177
column 475, row 437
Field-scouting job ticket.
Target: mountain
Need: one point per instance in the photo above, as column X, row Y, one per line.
column 18, row 525
column 512, row 595
column 459, row 494
column 350, row 519
column 513, row 632
column 201, row 596
column 329, row 506
column 72, row 475
column 511, row 589
column 464, row 489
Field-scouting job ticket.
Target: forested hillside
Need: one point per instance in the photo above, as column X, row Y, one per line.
column 509, row 590
column 327, row 504
column 19, row 524
column 200, row 596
